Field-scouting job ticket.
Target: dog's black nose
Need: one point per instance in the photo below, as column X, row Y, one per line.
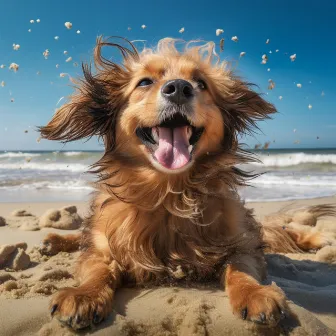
column 178, row 91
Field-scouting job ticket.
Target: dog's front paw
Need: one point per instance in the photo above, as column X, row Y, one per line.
column 262, row 304
column 78, row 308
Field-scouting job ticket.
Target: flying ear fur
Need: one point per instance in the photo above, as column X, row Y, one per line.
column 93, row 109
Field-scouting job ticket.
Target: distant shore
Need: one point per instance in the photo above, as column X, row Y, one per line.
column 261, row 208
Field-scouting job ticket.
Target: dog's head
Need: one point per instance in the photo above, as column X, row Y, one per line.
column 161, row 108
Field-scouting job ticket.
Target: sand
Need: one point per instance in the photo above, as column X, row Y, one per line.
column 27, row 279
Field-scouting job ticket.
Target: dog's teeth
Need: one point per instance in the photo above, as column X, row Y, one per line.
column 189, row 132
column 190, row 148
column 155, row 134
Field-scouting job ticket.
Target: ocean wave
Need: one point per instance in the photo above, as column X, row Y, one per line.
column 72, row 153
column 318, row 181
column 18, row 155
column 41, row 166
column 59, row 185
column 287, row 160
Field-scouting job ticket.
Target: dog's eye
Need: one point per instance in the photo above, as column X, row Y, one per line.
column 201, row 84
column 145, row 82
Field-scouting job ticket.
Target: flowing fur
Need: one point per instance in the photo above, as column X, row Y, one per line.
column 145, row 224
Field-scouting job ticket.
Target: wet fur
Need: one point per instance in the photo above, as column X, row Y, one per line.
column 144, row 223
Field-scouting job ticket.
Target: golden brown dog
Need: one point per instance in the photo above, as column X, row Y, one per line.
column 166, row 193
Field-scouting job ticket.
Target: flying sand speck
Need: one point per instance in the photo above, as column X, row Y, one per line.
column 68, row 25
column 292, row 57
column 219, row 32
column 46, row 53
column 14, row 67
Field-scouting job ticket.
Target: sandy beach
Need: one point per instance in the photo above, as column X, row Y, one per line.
column 309, row 281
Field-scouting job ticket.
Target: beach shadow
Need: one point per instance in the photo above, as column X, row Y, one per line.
column 309, row 284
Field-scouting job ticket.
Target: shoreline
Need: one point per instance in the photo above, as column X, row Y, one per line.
column 285, row 175
column 262, row 207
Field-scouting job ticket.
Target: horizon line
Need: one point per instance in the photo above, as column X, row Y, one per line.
column 97, row 150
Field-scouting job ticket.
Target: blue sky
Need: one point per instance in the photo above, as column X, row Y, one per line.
column 302, row 27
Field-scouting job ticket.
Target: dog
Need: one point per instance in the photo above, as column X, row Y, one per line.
column 166, row 191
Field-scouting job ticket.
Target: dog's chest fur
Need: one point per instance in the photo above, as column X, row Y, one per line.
column 162, row 245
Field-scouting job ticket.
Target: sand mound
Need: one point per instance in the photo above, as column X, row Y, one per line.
column 21, row 213
column 47, row 276
column 30, row 226
column 5, row 277
column 23, row 220
column 66, row 218
column 57, row 274
column 2, row 221
column 14, row 257
column 21, row 260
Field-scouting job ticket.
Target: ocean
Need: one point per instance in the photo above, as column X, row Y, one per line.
column 40, row 176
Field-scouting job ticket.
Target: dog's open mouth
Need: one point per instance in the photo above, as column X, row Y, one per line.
column 172, row 142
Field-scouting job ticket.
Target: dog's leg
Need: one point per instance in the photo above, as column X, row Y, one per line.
column 249, row 299
column 91, row 301
column 307, row 241
column 287, row 240
column 54, row 243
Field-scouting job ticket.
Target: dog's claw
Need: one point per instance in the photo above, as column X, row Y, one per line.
column 53, row 309
column 78, row 319
column 96, row 318
column 262, row 317
column 69, row 323
column 282, row 315
column 244, row 313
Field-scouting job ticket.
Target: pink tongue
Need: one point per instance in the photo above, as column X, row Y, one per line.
column 172, row 152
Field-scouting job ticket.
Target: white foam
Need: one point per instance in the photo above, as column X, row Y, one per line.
column 18, row 155
column 72, row 153
column 287, row 160
column 58, row 185
column 308, row 180
column 43, row 166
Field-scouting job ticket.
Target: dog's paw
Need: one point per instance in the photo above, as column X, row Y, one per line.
column 323, row 240
column 77, row 308
column 316, row 241
column 51, row 244
column 263, row 304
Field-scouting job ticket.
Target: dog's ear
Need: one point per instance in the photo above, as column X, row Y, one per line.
column 93, row 109
column 88, row 112
column 242, row 108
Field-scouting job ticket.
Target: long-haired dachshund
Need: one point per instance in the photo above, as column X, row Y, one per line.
column 166, row 194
